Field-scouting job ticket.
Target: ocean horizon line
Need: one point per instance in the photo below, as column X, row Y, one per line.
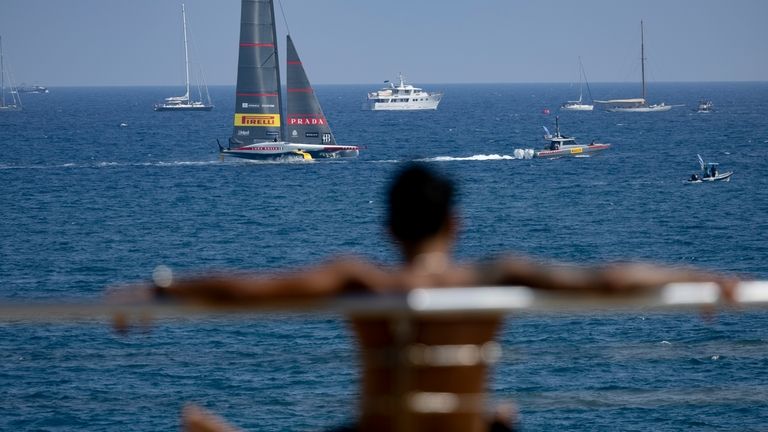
column 419, row 83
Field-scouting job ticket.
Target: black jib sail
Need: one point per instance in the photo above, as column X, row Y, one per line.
column 305, row 122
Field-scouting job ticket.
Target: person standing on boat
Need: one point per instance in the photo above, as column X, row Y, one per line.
column 422, row 221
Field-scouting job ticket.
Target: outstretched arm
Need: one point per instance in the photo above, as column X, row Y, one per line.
column 333, row 278
column 607, row 279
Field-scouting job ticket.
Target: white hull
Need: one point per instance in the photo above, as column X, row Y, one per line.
column 652, row 108
column 284, row 150
column 194, row 106
column 577, row 107
column 578, row 150
column 726, row 176
column 402, row 97
column 428, row 103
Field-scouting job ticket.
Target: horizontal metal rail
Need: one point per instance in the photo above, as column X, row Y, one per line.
column 422, row 301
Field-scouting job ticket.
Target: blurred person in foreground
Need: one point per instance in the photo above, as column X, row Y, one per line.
column 422, row 221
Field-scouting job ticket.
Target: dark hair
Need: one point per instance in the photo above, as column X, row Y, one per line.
column 420, row 202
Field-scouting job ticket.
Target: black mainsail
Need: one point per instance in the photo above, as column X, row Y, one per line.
column 257, row 97
column 305, row 121
column 259, row 129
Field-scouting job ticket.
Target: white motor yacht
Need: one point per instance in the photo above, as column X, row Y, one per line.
column 402, row 97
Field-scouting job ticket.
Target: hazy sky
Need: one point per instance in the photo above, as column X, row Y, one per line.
column 139, row 42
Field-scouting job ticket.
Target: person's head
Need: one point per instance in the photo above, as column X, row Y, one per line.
column 420, row 206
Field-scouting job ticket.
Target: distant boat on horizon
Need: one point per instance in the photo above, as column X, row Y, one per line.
column 15, row 101
column 34, row 89
column 578, row 105
column 402, row 97
column 636, row 104
column 705, row 106
column 185, row 103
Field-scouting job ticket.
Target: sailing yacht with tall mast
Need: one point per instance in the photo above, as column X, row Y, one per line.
column 185, row 103
column 578, row 105
column 637, row 104
column 259, row 130
column 15, row 101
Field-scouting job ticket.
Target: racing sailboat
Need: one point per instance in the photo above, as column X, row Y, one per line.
column 259, row 130
column 636, row 104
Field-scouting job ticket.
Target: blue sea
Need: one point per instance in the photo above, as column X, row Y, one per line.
column 97, row 190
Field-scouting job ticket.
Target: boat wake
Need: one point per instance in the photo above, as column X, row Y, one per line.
column 518, row 154
column 109, row 165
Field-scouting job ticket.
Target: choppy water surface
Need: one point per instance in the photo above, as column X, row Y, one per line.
column 88, row 203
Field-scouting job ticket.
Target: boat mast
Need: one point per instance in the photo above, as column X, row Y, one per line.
column 186, row 53
column 277, row 67
column 2, row 75
column 642, row 58
column 586, row 81
column 581, row 81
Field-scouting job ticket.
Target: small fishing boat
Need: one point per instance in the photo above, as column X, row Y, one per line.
column 709, row 173
column 562, row 145
column 705, row 106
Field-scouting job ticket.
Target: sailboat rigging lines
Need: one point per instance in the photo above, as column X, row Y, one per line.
column 14, row 104
column 185, row 103
column 260, row 130
column 578, row 105
column 637, row 104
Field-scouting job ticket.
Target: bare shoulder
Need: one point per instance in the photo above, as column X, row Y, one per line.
column 197, row 419
column 355, row 273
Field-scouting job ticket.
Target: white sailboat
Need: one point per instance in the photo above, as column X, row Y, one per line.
column 6, row 105
column 185, row 103
column 578, row 105
column 261, row 132
column 636, row 104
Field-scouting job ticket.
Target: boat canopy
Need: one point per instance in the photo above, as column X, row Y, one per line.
column 622, row 101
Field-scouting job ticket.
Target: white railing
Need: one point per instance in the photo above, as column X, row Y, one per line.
column 475, row 300
column 410, row 405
